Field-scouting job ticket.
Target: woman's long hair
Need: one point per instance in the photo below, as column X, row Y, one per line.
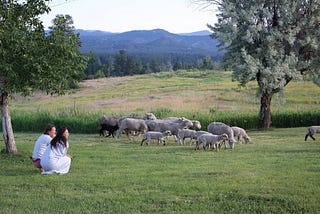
column 59, row 138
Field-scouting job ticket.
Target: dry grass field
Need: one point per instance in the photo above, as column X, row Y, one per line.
column 183, row 91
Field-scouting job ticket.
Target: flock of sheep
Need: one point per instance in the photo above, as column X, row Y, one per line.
column 180, row 128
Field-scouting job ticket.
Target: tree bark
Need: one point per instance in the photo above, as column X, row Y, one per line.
column 265, row 111
column 6, row 124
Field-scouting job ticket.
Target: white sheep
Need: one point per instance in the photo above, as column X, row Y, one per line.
column 212, row 140
column 219, row 128
column 198, row 134
column 161, row 125
column 311, row 131
column 186, row 133
column 152, row 135
column 131, row 125
column 195, row 123
column 240, row 133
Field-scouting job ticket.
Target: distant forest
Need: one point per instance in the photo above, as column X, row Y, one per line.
column 124, row 64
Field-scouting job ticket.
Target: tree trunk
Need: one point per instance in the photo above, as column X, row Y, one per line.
column 6, row 124
column 265, row 111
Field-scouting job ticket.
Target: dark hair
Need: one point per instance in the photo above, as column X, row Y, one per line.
column 59, row 138
column 48, row 128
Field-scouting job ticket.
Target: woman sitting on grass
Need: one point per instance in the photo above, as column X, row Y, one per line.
column 55, row 159
column 41, row 144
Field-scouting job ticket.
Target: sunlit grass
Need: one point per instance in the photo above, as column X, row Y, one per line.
column 277, row 173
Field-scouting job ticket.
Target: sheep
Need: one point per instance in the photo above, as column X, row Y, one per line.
column 198, row 134
column 109, row 124
column 240, row 134
column 130, row 125
column 186, row 133
column 161, row 125
column 311, row 131
column 152, row 135
column 220, row 128
column 211, row 139
column 195, row 123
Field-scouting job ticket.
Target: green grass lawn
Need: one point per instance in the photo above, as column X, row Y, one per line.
column 277, row 173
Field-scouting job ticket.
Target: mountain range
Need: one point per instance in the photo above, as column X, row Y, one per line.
column 157, row 41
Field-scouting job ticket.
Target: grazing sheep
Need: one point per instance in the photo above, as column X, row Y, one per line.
column 111, row 130
column 240, row 133
column 198, row 134
column 311, row 131
column 186, row 133
column 212, row 140
column 161, row 125
column 219, row 128
column 131, row 125
column 152, row 135
column 109, row 124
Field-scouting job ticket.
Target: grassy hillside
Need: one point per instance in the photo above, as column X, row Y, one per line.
column 201, row 95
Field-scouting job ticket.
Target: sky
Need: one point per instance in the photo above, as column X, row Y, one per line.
column 175, row 16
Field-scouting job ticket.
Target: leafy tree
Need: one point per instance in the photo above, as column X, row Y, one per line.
column 270, row 41
column 32, row 60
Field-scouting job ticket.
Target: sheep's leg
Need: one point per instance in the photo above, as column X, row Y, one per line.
column 312, row 137
column 197, row 146
column 240, row 139
column 305, row 138
column 144, row 139
column 190, row 141
column 176, row 139
column 119, row 132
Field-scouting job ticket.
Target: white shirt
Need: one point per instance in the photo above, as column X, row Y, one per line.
column 40, row 145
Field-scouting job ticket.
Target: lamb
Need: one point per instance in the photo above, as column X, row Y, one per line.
column 109, row 124
column 186, row 133
column 152, row 135
column 130, row 125
column 219, row 128
column 240, row 134
column 161, row 125
column 211, row 139
column 198, row 134
column 311, row 131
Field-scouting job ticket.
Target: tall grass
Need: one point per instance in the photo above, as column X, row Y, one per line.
column 83, row 121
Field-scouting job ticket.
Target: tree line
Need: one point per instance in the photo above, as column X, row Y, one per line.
column 124, row 64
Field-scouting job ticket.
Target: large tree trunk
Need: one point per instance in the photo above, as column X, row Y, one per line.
column 6, row 124
column 265, row 111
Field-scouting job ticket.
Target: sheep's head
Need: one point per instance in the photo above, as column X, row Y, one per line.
column 149, row 116
column 167, row 133
column 196, row 124
column 247, row 139
column 225, row 136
